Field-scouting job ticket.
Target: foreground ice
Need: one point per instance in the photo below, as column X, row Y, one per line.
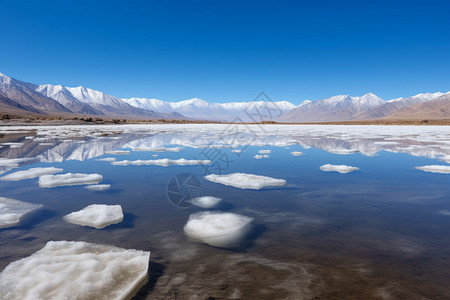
column 435, row 169
column 30, row 173
column 11, row 211
column 49, row 181
column 245, row 181
column 98, row 187
column 206, row 201
column 218, row 229
column 161, row 162
column 76, row 270
column 96, row 215
column 338, row 168
column 297, row 153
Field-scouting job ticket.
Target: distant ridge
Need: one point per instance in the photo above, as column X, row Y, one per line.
column 27, row 98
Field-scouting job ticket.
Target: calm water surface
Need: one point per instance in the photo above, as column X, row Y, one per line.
column 379, row 232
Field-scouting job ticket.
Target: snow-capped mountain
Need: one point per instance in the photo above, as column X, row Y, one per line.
column 336, row 108
column 202, row 110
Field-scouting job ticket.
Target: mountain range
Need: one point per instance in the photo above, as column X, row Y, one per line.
column 18, row 97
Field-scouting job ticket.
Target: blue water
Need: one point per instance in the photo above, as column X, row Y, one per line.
column 379, row 231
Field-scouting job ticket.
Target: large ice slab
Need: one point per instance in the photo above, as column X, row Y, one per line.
column 96, row 215
column 30, row 173
column 49, row 181
column 218, row 229
column 435, row 169
column 245, row 181
column 12, row 211
column 76, row 270
column 161, row 162
column 338, row 168
column 206, row 201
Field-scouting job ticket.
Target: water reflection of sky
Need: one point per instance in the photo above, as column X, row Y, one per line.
column 383, row 225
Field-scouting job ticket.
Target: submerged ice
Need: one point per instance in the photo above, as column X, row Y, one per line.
column 206, row 201
column 12, row 211
column 218, row 229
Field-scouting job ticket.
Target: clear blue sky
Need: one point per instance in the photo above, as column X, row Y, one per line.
column 230, row 50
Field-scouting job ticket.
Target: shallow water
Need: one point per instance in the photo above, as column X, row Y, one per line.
column 377, row 232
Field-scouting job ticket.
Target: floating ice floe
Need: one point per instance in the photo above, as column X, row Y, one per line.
column 297, row 153
column 257, row 156
column 236, row 150
column 13, row 162
column 435, row 169
column 265, row 151
column 11, row 211
column 30, row 173
column 69, row 179
column 76, row 270
column 117, row 152
column 245, row 181
column 96, row 215
column 110, row 159
column 162, row 149
column 343, row 151
column 338, row 168
column 218, row 229
column 161, row 162
column 206, row 201
column 98, row 187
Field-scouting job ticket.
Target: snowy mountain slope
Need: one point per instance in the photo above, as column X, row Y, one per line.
column 203, row 110
column 336, row 108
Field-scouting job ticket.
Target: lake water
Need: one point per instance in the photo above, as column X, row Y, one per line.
column 381, row 231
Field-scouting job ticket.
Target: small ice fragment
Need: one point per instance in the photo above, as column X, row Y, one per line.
column 265, row 151
column 297, row 153
column 236, row 150
column 76, row 270
column 98, row 187
column 117, row 152
column 338, row 168
column 245, row 181
column 110, row 159
column 11, row 211
column 218, row 229
column 206, row 201
column 30, row 173
column 161, row 162
column 96, row 215
column 435, row 169
column 69, row 179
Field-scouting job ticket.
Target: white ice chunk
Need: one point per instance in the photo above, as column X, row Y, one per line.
column 76, row 270
column 435, row 169
column 110, row 159
column 224, row 230
column 96, row 215
column 245, row 181
column 117, row 152
column 258, row 156
column 206, row 201
column 69, row 179
column 338, row 168
column 98, row 187
column 161, row 162
column 30, row 173
column 162, row 149
column 13, row 162
column 297, row 153
column 236, row 150
column 265, row 151
column 342, row 151
column 11, row 211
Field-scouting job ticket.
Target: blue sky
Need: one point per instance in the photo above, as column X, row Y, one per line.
column 230, row 50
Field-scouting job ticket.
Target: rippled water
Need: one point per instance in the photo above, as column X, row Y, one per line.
column 380, row 231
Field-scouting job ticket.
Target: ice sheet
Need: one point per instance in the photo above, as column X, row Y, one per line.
column 49, row 181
